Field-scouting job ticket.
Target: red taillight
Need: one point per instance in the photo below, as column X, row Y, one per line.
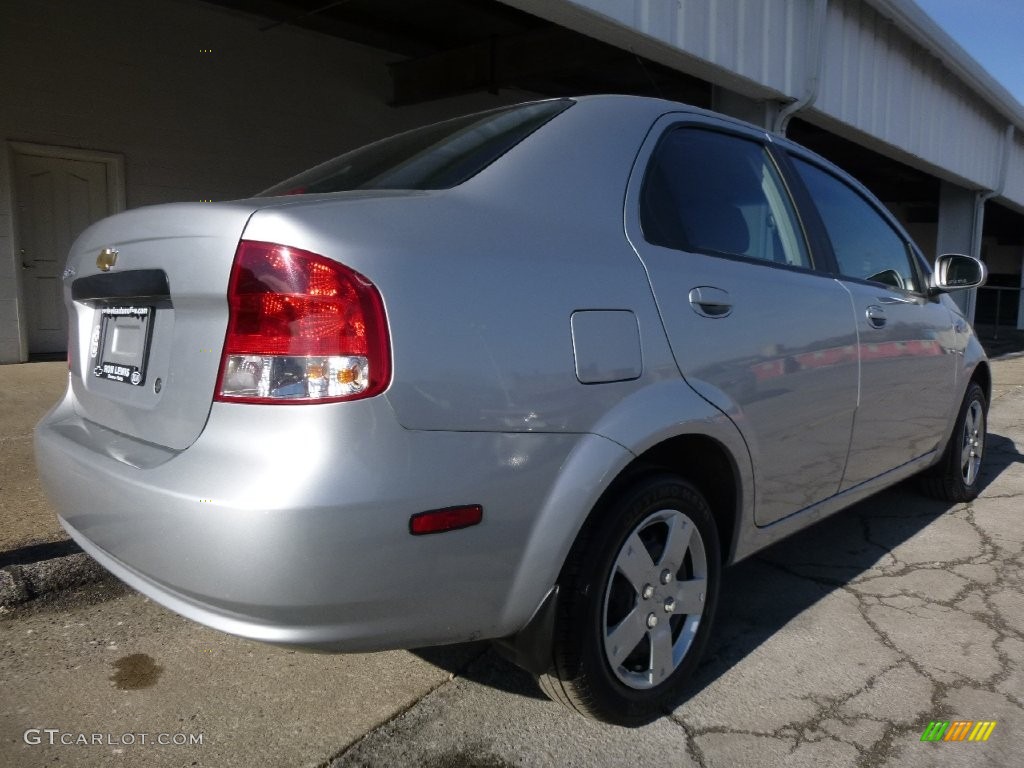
column 443, row 520
column 302, row 329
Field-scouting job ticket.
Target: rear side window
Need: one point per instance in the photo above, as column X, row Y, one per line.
column 865, row 245
column 715, row 193
column 436, row 156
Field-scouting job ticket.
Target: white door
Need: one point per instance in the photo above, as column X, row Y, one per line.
column 55, row 199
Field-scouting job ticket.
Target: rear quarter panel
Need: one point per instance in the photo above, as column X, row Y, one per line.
column 480, row 282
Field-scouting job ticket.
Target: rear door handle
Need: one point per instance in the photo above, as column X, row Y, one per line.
column 710, row 302
column 876, row 316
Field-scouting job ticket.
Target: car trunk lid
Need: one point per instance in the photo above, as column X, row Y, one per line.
column 146, row 298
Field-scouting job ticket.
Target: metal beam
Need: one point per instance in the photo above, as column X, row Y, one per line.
column 499, row 62
column 322, row 20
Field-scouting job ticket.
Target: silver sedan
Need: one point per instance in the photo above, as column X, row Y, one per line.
column 532, row 375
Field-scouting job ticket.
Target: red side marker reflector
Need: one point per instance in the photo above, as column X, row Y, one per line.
column 448, row 519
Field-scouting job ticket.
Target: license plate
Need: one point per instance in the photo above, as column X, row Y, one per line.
column 120, row 344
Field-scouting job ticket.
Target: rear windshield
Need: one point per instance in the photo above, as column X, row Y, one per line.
column 436, row 156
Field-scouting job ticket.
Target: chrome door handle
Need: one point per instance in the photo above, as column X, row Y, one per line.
column 876, row 316
column 710, row 302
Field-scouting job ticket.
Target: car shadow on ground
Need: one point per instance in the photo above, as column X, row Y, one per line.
column 1001, row 453
column 762, row 594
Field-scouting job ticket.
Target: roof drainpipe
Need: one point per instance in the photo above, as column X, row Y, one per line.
column 979, row 210
column 815, row 49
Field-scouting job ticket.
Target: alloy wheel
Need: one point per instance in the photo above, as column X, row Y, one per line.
column 654, row 599
column 973, row 443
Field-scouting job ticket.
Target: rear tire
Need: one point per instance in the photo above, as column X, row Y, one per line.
column 636, row 602
column 956, row 478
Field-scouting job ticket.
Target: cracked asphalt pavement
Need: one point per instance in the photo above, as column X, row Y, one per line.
column 836, row 647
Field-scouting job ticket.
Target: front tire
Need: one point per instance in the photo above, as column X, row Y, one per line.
column 956, row 477
column 637, row 599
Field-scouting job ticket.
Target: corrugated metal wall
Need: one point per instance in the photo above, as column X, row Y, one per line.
column 878, row 86
column 878, row 81
column 755, row 39
column 1015, row 171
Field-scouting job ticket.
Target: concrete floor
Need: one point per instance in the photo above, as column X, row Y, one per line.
column 836, row 647
column 27, row 391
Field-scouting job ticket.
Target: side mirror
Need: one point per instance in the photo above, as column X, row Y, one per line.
column 954, row 272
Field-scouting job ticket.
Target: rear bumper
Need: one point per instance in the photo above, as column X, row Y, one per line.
column 290, row 524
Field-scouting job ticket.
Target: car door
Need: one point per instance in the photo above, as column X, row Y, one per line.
column 756, row 326
column 908, row 373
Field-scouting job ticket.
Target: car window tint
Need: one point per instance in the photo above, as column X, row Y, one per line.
column 711, row 192
column 865, row 245
column 436, row 156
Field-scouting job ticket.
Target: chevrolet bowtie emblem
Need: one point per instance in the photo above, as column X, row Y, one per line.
column 106, row 259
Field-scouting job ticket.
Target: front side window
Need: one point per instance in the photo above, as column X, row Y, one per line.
column 711, row 192
column 865, row 245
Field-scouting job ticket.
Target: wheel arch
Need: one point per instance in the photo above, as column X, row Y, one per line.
column 982, row 374
column 705, row 463
column 664, row 426
column 700, row 459
column 697, row 458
